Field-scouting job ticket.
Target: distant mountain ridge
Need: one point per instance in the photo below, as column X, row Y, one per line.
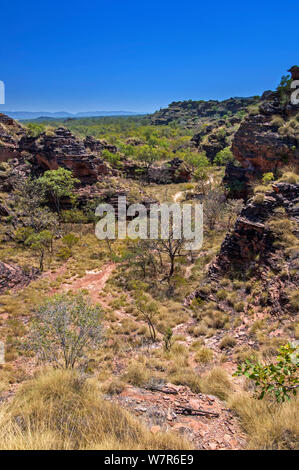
column 64, row 114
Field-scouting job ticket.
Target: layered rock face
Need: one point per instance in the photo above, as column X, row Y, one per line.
column 95, row 145
column 63, row 149
column 236, row 179
column 10, row 134
column 251, row 250
column 251, row 235
column 258, row 145
column 24, row 154
column 12, row 276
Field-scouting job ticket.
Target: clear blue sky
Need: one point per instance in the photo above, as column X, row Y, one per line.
column 141, row 55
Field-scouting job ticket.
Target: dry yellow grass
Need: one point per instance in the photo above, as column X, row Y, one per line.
column 60, row 410
column 269, row 426
column 217, row 382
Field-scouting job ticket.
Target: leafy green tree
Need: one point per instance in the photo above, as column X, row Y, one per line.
column 65, row 328
column 148, row 156
column 112, row 158
column 58, row 184
column 202, row 177
column 223, row 157
column 194, row 159
column 29, row 207
column 35, row 129
column 280, row 378
column 284, row 89
column 70, row 240
column 41, row 243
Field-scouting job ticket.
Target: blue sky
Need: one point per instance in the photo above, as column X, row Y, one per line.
column 139, row 55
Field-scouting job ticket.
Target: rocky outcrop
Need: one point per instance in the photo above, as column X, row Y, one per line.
column 212, row 145
column 98, row 146
column 252, row 252
column 236, row 181
column 251, row 235
column 294, row 72
column 24, row 154
column 174, row 171
column 258, row 145
column 13, row 276
column 62, row 149
column 13, row 172
column 10, row 134
column 190, row 113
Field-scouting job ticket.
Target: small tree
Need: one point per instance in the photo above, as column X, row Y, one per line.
column 194, row 159
column 66, row 327
column 173, row 248
column 280, row 378
column 284, row 89
column 213, row 206
column 233, row 208
column 41, row 243
column 147, row 155
column 223, row 157
column 168, row 339
column 29, row 207
column 149, row 311
column 58, row 184
column 202, row 177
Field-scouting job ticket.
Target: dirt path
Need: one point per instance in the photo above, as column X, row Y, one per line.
column 93, row 281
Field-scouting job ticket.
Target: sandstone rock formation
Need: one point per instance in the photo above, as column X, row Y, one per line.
column 13, row 276
column 251, row 236
column 258, row 145
column 10, row 134
column 62, row 149
column 190, row 113
column 98, row 145
column 294, row 72
column 212, row 144
column 252, row 247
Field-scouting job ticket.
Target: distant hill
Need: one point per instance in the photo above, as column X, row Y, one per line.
column 191, row 113
column 63, row 114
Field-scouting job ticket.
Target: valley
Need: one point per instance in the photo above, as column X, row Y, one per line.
column 164, row 374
